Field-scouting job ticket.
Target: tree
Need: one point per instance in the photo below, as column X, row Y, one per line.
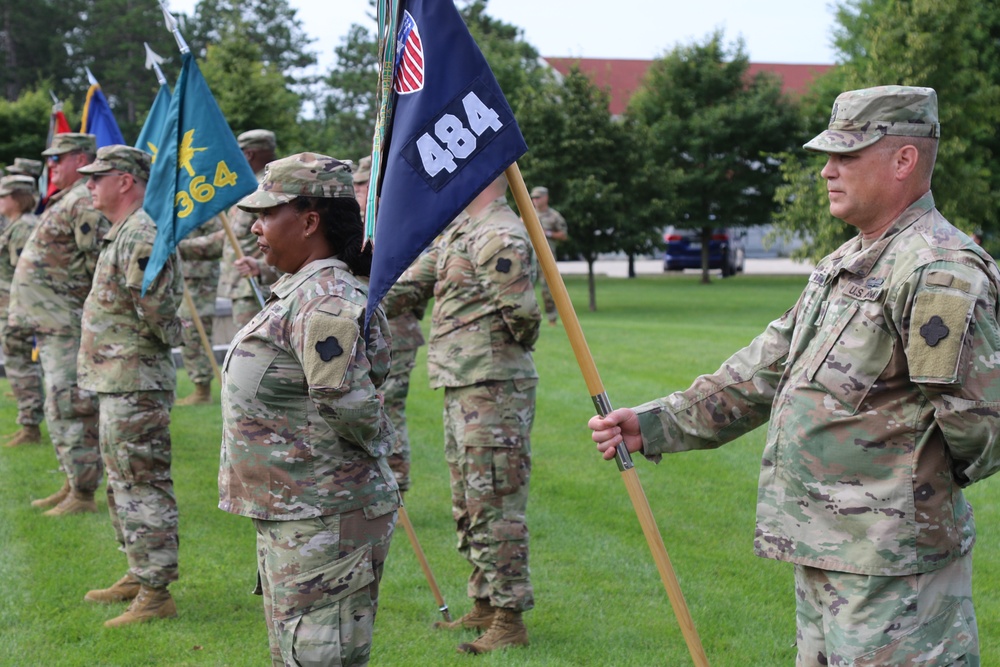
column 717, row 129
column 349, row 107
column 24, row 124
column 953, row 48
column 32, row 47
column 250, row 93
column 580, row 154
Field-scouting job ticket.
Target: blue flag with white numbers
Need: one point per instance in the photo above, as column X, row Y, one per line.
column 155, row 120
column 452, row 134
column 199, row 169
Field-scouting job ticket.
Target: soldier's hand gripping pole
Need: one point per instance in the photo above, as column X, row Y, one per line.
column 239, row 255
column 600, row 398
column 404, row 519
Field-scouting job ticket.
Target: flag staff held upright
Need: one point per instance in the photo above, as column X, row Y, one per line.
column 593, row 379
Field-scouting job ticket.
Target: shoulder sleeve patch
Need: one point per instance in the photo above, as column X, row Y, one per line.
column 328, row 349
column 137, row 264
column 938, row 327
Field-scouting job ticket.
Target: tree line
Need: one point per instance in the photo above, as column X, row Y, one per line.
column 702, row 144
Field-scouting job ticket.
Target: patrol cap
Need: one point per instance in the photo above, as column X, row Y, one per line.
column 119, row 157
column 17, row 183
column 300, row 175
column 862, row 117
column 539, row 190
column 363, row 173
column 67, row 142
column 25, row 167
column 257, row 139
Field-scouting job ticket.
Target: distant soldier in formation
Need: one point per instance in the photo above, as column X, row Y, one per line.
column 202, row 279
column 125, row 357
column 26, row 167
column 51, row 282
column 18, row 197
column 406, row 340
column 484, row 324
column 556, row 231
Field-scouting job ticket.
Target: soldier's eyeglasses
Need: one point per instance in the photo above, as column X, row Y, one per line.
column 54, row 159
column 99, row 176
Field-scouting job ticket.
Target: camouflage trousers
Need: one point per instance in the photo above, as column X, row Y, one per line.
column 244, row 309
column 71, row 412
column 320, row 580
column 395, row 389
column 487, row 444
column 24, row 375
column 924, row 620
column 135, row 444
column 550, row 304
column 193, row 352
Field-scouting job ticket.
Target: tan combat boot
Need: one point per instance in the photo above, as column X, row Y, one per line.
column 77, row 502
column 506, row 630
column 29, row 434
column 123, row 590
column 54, row 499
column 150, row 603
column 478, row 618
column 202, row 394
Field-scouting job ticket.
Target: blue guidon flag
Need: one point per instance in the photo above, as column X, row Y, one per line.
column 409, row 71
column 452, row 134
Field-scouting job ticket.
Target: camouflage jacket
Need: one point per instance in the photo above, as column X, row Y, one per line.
column 406, row 332
column 304, row 432
column 882, row 386
column 126, row 338
column 552, row 221
column 204, row 268
column 56, row 268
column 485, row 318
column 13, row 237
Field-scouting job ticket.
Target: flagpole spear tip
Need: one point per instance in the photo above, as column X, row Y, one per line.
column 172, row 27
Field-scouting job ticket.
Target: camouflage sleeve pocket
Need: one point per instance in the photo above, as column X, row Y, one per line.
column 328, row 348
column 938, row 326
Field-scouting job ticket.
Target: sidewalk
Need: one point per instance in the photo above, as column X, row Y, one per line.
column 618, row 268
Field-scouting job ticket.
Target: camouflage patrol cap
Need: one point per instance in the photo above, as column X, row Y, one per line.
column 25, row 167
column 862, row 117
column 257, row 139
column 363, row 173
column 119, row 157
column 17, row 183
column 300, row 175
column 67, row 142
column 539, row 190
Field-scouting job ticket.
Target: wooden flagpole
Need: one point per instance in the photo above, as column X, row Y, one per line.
column 586, row 361
column 404, row 518
column 239, row 255
column 200, row 326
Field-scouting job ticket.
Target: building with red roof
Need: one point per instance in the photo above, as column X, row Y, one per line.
column 621, row 78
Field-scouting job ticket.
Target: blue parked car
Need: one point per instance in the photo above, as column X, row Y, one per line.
column 726, row 250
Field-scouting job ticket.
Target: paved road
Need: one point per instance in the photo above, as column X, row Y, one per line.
column 618, row 268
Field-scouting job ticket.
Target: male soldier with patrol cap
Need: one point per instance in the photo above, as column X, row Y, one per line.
column 50, row 284
column 406, row 340
column 125, row 357
column 556, row 231
column 881, row 386
column 205, row 244
column 484, row 325
column 18, row 197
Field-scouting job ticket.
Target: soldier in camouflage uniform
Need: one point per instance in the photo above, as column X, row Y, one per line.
column 406, row 340
column 202, row 279
column 125, row 357
column 50, row 284
column 881, row 386
column 305, row 436
column 18, row 197
column 258, row 148
column 556, row 231
column 484, row 323
column 25, row 167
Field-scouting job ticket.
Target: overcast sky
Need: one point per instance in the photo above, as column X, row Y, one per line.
column 775, row 31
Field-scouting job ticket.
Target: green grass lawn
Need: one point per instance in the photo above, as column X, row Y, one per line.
column 599, row 600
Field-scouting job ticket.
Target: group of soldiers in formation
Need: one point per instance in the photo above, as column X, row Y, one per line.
column 90, row 352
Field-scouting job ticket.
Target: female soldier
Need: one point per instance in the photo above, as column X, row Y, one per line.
column 305, row 435
column 18, row 196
